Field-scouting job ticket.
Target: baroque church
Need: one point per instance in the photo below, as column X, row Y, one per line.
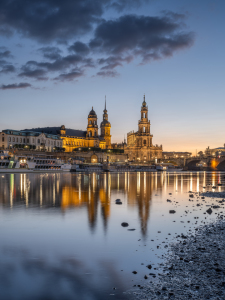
column 73, row 139
column 139, row 144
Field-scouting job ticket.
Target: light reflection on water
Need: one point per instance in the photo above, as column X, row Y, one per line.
column 66, row 229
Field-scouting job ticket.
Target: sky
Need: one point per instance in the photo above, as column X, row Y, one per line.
column 60, row 58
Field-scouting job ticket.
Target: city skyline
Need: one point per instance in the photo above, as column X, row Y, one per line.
column 52, row 73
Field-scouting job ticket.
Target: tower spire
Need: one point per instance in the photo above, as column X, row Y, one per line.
column 105, row 102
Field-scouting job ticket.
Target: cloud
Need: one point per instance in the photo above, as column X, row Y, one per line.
column 21, row 85
column 148, row 37
column 31, row 70
column 7, row 68
column 39, row 70
column 80, row 48
column 5, row 53
column 107, row 74
column 112, row 62
column 75, row 73
column 52, row 53
column 47, row 20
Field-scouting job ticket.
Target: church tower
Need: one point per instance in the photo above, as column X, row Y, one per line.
column 144, row 138
column 105, row 128
column 92, row 129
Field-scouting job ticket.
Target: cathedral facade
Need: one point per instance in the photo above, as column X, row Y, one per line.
column 73, row 139
column 139, row 144
column 90, row 137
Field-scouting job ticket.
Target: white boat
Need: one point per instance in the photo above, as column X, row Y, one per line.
column 161, row 168
column 168, row 168
column 30, row 164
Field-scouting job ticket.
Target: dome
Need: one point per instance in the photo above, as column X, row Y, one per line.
column 105, row 123
column 92, row 112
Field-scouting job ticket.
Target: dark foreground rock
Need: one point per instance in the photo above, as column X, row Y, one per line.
column 194, row 268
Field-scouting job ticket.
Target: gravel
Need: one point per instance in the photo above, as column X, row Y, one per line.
column 194, row 268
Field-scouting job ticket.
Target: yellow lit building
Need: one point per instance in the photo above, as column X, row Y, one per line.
column 139, row 144
column 73, row 139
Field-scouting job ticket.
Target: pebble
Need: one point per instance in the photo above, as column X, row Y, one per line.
column 192, row 270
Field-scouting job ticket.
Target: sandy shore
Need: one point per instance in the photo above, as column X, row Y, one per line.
column 194, row 269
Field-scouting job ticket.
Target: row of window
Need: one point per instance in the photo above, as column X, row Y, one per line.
column 74, row 143
column 17, row 140
column 94, row 122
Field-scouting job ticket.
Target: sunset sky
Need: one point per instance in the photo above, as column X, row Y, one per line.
column 60, row 58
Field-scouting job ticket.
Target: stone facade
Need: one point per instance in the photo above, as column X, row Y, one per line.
column 73, row 139
column 139, row 144
column 29, row 140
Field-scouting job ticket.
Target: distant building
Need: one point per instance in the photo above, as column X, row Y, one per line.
column 173, row 154
column 220, row 151
column 139, row 144
column 73, row 139
column 29, row 140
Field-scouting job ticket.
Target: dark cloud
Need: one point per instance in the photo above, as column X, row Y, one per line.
column 52, row 53
column 112, row 62
column 107, row 74
column 144, row 36
column 7, row 68
column 5, row 54
column 21, row 85
column 46, row 20
column 80, row 48
column 31, row 69
column 70, row 76
column 39, row 70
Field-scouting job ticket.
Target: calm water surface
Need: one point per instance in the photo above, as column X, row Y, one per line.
column 61, row 234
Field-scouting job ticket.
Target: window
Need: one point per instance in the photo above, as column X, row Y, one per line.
column 3, row 139
column 28, row 141
column 143, row 115
column 20, row 140
column 89, row 133
column 143, row 129
column 17, row 140
column 38, row 141
column 33, row 140
column 90, row 122
column 24, row 141
column 144, row 142
column 9, row 139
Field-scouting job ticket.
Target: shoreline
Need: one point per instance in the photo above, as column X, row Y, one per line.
column 193, row 268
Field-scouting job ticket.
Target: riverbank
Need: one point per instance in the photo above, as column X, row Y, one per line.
column 194, row 268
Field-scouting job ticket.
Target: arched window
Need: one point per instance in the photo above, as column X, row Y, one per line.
column 89, row 133
column 144, row 142
column 143, row 115
column 90, row 122
column 143, row 129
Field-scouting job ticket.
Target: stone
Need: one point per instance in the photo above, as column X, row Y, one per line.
column 118, row 201
column 124, row 224
column 209, row 211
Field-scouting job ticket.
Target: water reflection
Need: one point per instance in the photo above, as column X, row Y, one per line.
column 98, row 191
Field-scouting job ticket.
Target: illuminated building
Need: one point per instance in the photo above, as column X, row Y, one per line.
column 29, row 140
column 73, row 139
column 139, row 144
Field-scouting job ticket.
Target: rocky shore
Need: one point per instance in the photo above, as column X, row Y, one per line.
column 194, row 267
